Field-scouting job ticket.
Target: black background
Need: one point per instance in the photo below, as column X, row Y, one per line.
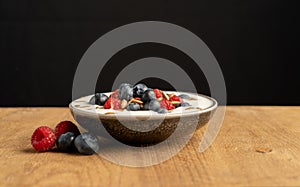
column 255, row 42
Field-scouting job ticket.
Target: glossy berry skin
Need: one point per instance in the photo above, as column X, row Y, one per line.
column 86, row 144
column 100, row 99
column 65, row 142
column 125, row 91
column 133, row 107
column 148, row 96
column 107, row 104
column 162, row 111
column 185, row 104
column 64, row 127
column 152, row 105
column 139, row 89
column 43, row 139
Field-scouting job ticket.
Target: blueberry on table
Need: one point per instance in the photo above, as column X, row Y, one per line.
column 65, row 142
column 125, row 91
column 152, row 105
column 133, row 107
column 86, row 144
column 100, row 99
column 139, row 89
column 148, row 96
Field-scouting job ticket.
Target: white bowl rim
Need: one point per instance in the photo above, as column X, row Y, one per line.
column 89, row 110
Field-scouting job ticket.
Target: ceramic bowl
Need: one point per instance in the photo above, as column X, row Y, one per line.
column 140, row 128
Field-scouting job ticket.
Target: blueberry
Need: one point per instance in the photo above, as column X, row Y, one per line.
column 100, row 99
column 139, row 89
column 184, row 96
column 65, row 142
column 133, row 107
column 152, row 105
column 125, row 91
column 148, row 96
column 162, row 111
column 185, row 104
column 86, row 144
column 92, row 101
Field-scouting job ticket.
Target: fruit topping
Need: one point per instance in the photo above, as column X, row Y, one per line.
column 86, row 144
column 64, row 127
column 43, row 138
column 167, row 104
column 148, row 96
column 65, row 142
column 139, row 89
column 125, row 91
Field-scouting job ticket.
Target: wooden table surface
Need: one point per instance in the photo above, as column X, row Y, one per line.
column 256, row 146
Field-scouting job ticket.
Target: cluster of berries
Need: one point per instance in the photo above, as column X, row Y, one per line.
column 138, row 97
column 66, row 137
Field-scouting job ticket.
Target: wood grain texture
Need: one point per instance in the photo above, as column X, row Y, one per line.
column 256, row 146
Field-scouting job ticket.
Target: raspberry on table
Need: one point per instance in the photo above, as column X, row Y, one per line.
column 43, row 138
column 64, row 127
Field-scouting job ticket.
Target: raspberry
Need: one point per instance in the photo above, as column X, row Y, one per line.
column 115, row 94
column 158, row 93
column 116, row 103
column 64, row 127
column 43, row 138
column 176, row 98
column 166, row 104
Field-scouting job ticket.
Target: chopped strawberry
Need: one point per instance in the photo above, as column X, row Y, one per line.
column 111, row 100
column 176, row 98
column 107, row 104
column 158, row 93
column 166, row 104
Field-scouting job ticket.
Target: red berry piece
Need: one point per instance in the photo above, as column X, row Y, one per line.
column 166, row 104
column 158, row 93
column 64, row 127
column 43, row 138
column 115, row 94
column 107, row 104
column 116, row 103
column 176, row 98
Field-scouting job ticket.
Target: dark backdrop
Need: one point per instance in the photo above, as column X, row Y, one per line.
column 255, row 42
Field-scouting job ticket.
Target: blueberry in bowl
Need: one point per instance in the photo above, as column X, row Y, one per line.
column 138, row 115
